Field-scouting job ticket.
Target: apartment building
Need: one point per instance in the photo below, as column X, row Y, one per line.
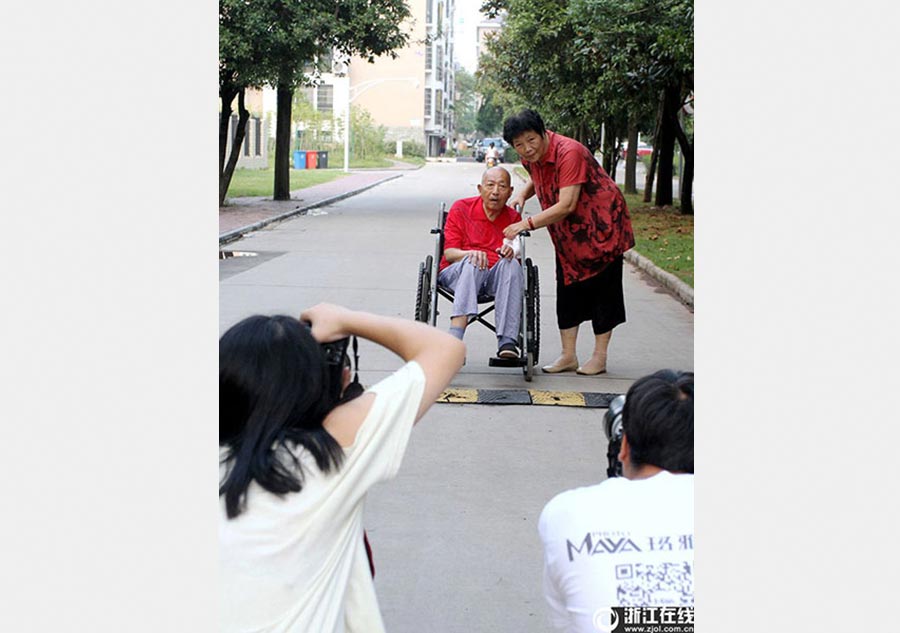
column 487, row 28
column 411, row 96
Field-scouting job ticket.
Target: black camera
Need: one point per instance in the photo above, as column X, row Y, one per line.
column 612, row 426
column 336, row 359
column 335, row 354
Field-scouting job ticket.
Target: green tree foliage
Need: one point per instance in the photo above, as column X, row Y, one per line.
column 242, row 36
column 366, row 137
column 273, row 42
column 464, row 103
column 586, row 65
column 314, row 123
column 489, row 120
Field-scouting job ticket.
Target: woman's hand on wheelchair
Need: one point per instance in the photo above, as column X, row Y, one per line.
column 514, row 229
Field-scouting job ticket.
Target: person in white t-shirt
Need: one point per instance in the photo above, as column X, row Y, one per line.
column 296, row 465
column 491, row 156
column 628, row 541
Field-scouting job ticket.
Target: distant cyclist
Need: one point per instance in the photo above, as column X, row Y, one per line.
column 491, row 156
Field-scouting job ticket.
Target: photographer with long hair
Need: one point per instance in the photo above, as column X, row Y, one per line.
column 297, row 462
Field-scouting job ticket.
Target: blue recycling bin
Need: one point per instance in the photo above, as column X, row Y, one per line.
column 299, row 160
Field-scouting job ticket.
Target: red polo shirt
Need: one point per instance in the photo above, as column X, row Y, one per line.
column 599, row 229
column 468, row 228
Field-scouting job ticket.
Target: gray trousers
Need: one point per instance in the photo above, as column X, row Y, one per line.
column 503, row 282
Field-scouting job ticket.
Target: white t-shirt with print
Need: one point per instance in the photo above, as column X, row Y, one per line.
column 297, row 563
column 618, row 543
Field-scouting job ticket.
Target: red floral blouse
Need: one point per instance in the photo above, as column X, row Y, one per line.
column 599, row 229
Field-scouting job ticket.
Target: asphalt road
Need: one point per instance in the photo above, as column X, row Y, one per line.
column 454, row 535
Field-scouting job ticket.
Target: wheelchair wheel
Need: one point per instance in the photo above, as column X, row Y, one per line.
column 423, row 292
column 533, row 316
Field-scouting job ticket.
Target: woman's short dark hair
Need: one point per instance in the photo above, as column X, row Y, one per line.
column 524, row 121
column 273, row 391
column 658, row 420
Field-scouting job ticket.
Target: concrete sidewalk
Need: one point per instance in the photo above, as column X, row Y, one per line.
column 243, row 215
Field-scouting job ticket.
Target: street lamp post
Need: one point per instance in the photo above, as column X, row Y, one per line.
column 353, row 93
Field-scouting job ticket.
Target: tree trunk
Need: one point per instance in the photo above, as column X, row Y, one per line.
column 631, row 158
column 654, row 155
column 665, row 144
column 687, row 183
column 609, row 152
column 227, row 95
column 282, row 188
column 226, row 170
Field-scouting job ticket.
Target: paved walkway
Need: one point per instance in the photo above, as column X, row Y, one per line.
column 244, row 212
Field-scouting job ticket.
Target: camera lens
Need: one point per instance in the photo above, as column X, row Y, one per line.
column 612, row 421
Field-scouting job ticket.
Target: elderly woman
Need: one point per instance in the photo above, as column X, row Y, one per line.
column 587, row 218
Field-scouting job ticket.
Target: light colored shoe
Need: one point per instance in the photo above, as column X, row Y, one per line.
column 557, row 369
column 594, row 367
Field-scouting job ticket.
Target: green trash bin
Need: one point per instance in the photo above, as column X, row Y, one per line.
column 322, row 158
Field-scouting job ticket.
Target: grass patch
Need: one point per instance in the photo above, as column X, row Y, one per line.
column 663, row 236
column 412, row 160
column 376, row 162
column 261, row 182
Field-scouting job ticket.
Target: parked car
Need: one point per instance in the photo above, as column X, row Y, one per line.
column 485, row 143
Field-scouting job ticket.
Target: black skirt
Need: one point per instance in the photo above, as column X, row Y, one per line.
column 598, row 299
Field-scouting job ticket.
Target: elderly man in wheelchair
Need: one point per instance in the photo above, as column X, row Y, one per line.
column 477, row 262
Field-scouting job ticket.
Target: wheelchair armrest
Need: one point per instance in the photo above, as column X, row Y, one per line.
column 435, row 231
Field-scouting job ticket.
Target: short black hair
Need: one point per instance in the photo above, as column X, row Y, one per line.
column 525, row 121
column 658, row 420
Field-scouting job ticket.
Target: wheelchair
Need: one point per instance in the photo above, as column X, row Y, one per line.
column 429, row 291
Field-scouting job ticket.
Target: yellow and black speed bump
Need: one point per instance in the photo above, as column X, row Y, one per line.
column 591, row 400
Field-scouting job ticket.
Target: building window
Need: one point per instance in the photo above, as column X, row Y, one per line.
column 439, row 66
column 325, row 99
column 429, row 57
column 428, row 12
column 438, row 106
column 428, row 102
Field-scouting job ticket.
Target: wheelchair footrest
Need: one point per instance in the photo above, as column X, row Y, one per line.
column 506, row 362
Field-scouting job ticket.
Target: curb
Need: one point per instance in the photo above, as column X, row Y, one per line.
column 673, row 284
column 238, row 233
column 670, row 282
